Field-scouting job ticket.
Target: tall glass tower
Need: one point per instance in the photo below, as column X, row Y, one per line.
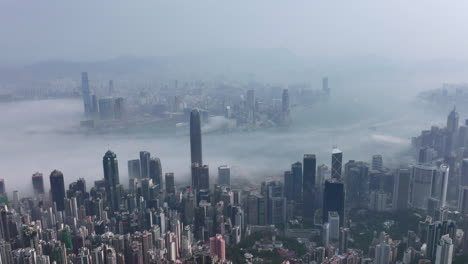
column 57, row 187
column 195, row 137
column 111, row 179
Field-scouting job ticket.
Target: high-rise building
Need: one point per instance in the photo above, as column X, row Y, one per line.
column 195, row 137
column 288, row 185
column 2, row 188
column 134, row 169
column 145, row 157
column 357, row 184
column 57, row 188
column 285, row 110
column 111, row 179
column 155, row 171
column 463, row 200
column 426, row 155
column 422, row 176
column 337, row 163
column 333, row 200
column 443, row 175
column 218, row 247
column 382, row 253
column 433, row 207
column 169, row 180
column 464, row 173
column 296, row 170
column 200, row 177
column 452, row 121
column 344, row 234
column 119, row 108
column 323, row 174
column 309, row 171
column 224, row 175
column 250, row 105
column 86, row 93
column 377, row 162
column 378, row 201
column 276, row 203
column 326, row 234
column 462, row 136
column 452, row 130
column 444, row 250
column 106, row 108
column 401, row 189
column 435, row 232
column 334, row 221
column 38, row 183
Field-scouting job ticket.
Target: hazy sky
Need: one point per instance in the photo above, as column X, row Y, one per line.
column 90, row 29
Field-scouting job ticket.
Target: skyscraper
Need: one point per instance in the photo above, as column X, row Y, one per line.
column 401, row 189
column 382, row 253
column 38, row 183
column 2, row 187
column 144, row 164
column 337, row 163
column 296, row 170
column 344, row 234
column 422, row 177
column 357, row 184
column 218, row 247
column 443, row 174
column 106, row 108
column 444, row 251
column 276, row 203
column 119, row 108
column 334, row 221
column 309, row 171
column 377, row 162
column 200, row 177
column 134, row 168
column 57, row 188
column 224, row 175
column 463, row 200
column 435, row 232
column 464, row 173
column 288, row 185
column 285, row 110
column 452, row 130
column 333, row 200
column 111, row 179
column 155, row 171
column 195, row 137
column 452, row 121
column 323, row 174
column 169, row 180
column 86, row 94
column 250, row 105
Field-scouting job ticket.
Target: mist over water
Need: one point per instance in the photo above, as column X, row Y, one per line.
column 44, row 135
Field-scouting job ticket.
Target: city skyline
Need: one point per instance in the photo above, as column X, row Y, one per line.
column 237, row 132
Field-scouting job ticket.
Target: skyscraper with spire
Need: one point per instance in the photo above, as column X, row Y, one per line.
column 452, row 131
column 86, row 94
column 111, row 179
column 195, row 137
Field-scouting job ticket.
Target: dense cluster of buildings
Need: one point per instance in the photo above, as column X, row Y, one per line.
column 155, row 221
